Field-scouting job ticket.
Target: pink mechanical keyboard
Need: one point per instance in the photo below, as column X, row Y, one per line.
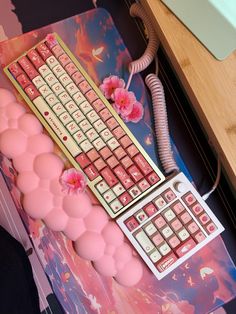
column 166, row 222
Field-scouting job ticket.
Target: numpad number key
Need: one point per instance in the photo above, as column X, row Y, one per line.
column 84, row 125
column 170, row 225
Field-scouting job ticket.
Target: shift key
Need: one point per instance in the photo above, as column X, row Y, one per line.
column 109, row 177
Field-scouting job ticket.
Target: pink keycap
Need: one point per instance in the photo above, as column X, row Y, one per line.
column 142, row 164
column 28, row 67
column 173, row 241
column 111, row 123
column 185, row 217
column 15, row 69
column 169, row 195
column 109, row 177
column 143, row 185
column 118, row 132
column 199, row 237
column 176, row 225
column 119, row 152
column 112, row 162
column 57, row 51
column 93, row 154
column 131, row 223
column 157, row 239
column 192, row 227
column 23, row 80
column 150, row 209
column 84, row 86
column 91, row 172
column 44, row 51
column 35, row 58
column 204, row 218
column 82, row 160
column 105, row 153
column 99, row 164
column 178, row 208
column 91, row 96
column 126, row 162
column 166, row 262
column 77, row 77
column 123, row 177
column 125, row 198
column 32, row 92
column 64, row 59
column 185, row 247
column 125, row 141
column 132, row 150
column 71, row 68
column 211, row 227
column 153, row 178
column 189, row 199
column 197, row 209
column 159, row 221
column 98, row 105
column 105, row 114
column 136, row 175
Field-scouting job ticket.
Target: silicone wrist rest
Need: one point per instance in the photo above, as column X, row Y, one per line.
column 95, row 237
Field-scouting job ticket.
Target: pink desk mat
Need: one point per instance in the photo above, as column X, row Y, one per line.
column 203, row 283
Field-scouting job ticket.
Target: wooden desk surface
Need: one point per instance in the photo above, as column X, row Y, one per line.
column 210, row 84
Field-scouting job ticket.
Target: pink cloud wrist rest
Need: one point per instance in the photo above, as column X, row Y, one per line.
column 95, row 237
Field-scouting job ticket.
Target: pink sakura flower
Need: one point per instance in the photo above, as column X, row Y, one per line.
column 123, row 101
column 136, row 114
column 110, row 84
column 73, row 181
column 51, row 40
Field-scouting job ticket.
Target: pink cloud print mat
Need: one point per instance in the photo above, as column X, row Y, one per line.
column 82, row 286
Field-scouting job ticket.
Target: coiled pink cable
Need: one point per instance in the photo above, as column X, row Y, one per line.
column 161, row 123
column 145, row 60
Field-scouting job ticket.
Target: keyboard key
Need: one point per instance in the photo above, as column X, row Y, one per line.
column 109, row 177
column 82, row 160
column 91, row 172
column 102, row 187
column 185, row 247
column 141, row 216
column 144, row 241
column 155, row 256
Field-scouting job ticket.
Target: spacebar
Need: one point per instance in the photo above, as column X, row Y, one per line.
column 56, row 126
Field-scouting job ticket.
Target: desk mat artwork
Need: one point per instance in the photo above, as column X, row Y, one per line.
column 204, row 282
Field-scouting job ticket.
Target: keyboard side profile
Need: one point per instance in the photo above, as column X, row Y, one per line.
column 170, row 225
column 84, row 125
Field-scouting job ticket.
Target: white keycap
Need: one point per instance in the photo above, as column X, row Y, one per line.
column 44, row 70
column 79, row 137
column 51, row 79
column 106, row 135
column 155, row 256
column 72, row 127
column 57, row 88
column 52, row 62
column 72, row 89
column 58, row 70
column 113, row 143
column 116, row 206
column 85, row 125
column 99, row 144
column 92, row 135
column 150, row 229
column 52, row 100
column 58, row 109
column 160, row 202
column 169, row 215
column 85, row 107
column 183, row 234
column 164, row 249
column 56, row 125
column 38, row 81
column 78, row 98
column 45, row 91
column 167, row 232
column 109, row 196
column 64, row 98
column 144, row 241
column 65, row 118
column 118, row 189
column 86, row 146
column 65, row 79
column 99, row 125
column 102, row 187
column 92, row 116
column 78, row 116
column 141, row 216
column 134, row 191
column 71, row 107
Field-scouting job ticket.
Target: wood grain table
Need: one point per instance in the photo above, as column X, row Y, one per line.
column 210, row 84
